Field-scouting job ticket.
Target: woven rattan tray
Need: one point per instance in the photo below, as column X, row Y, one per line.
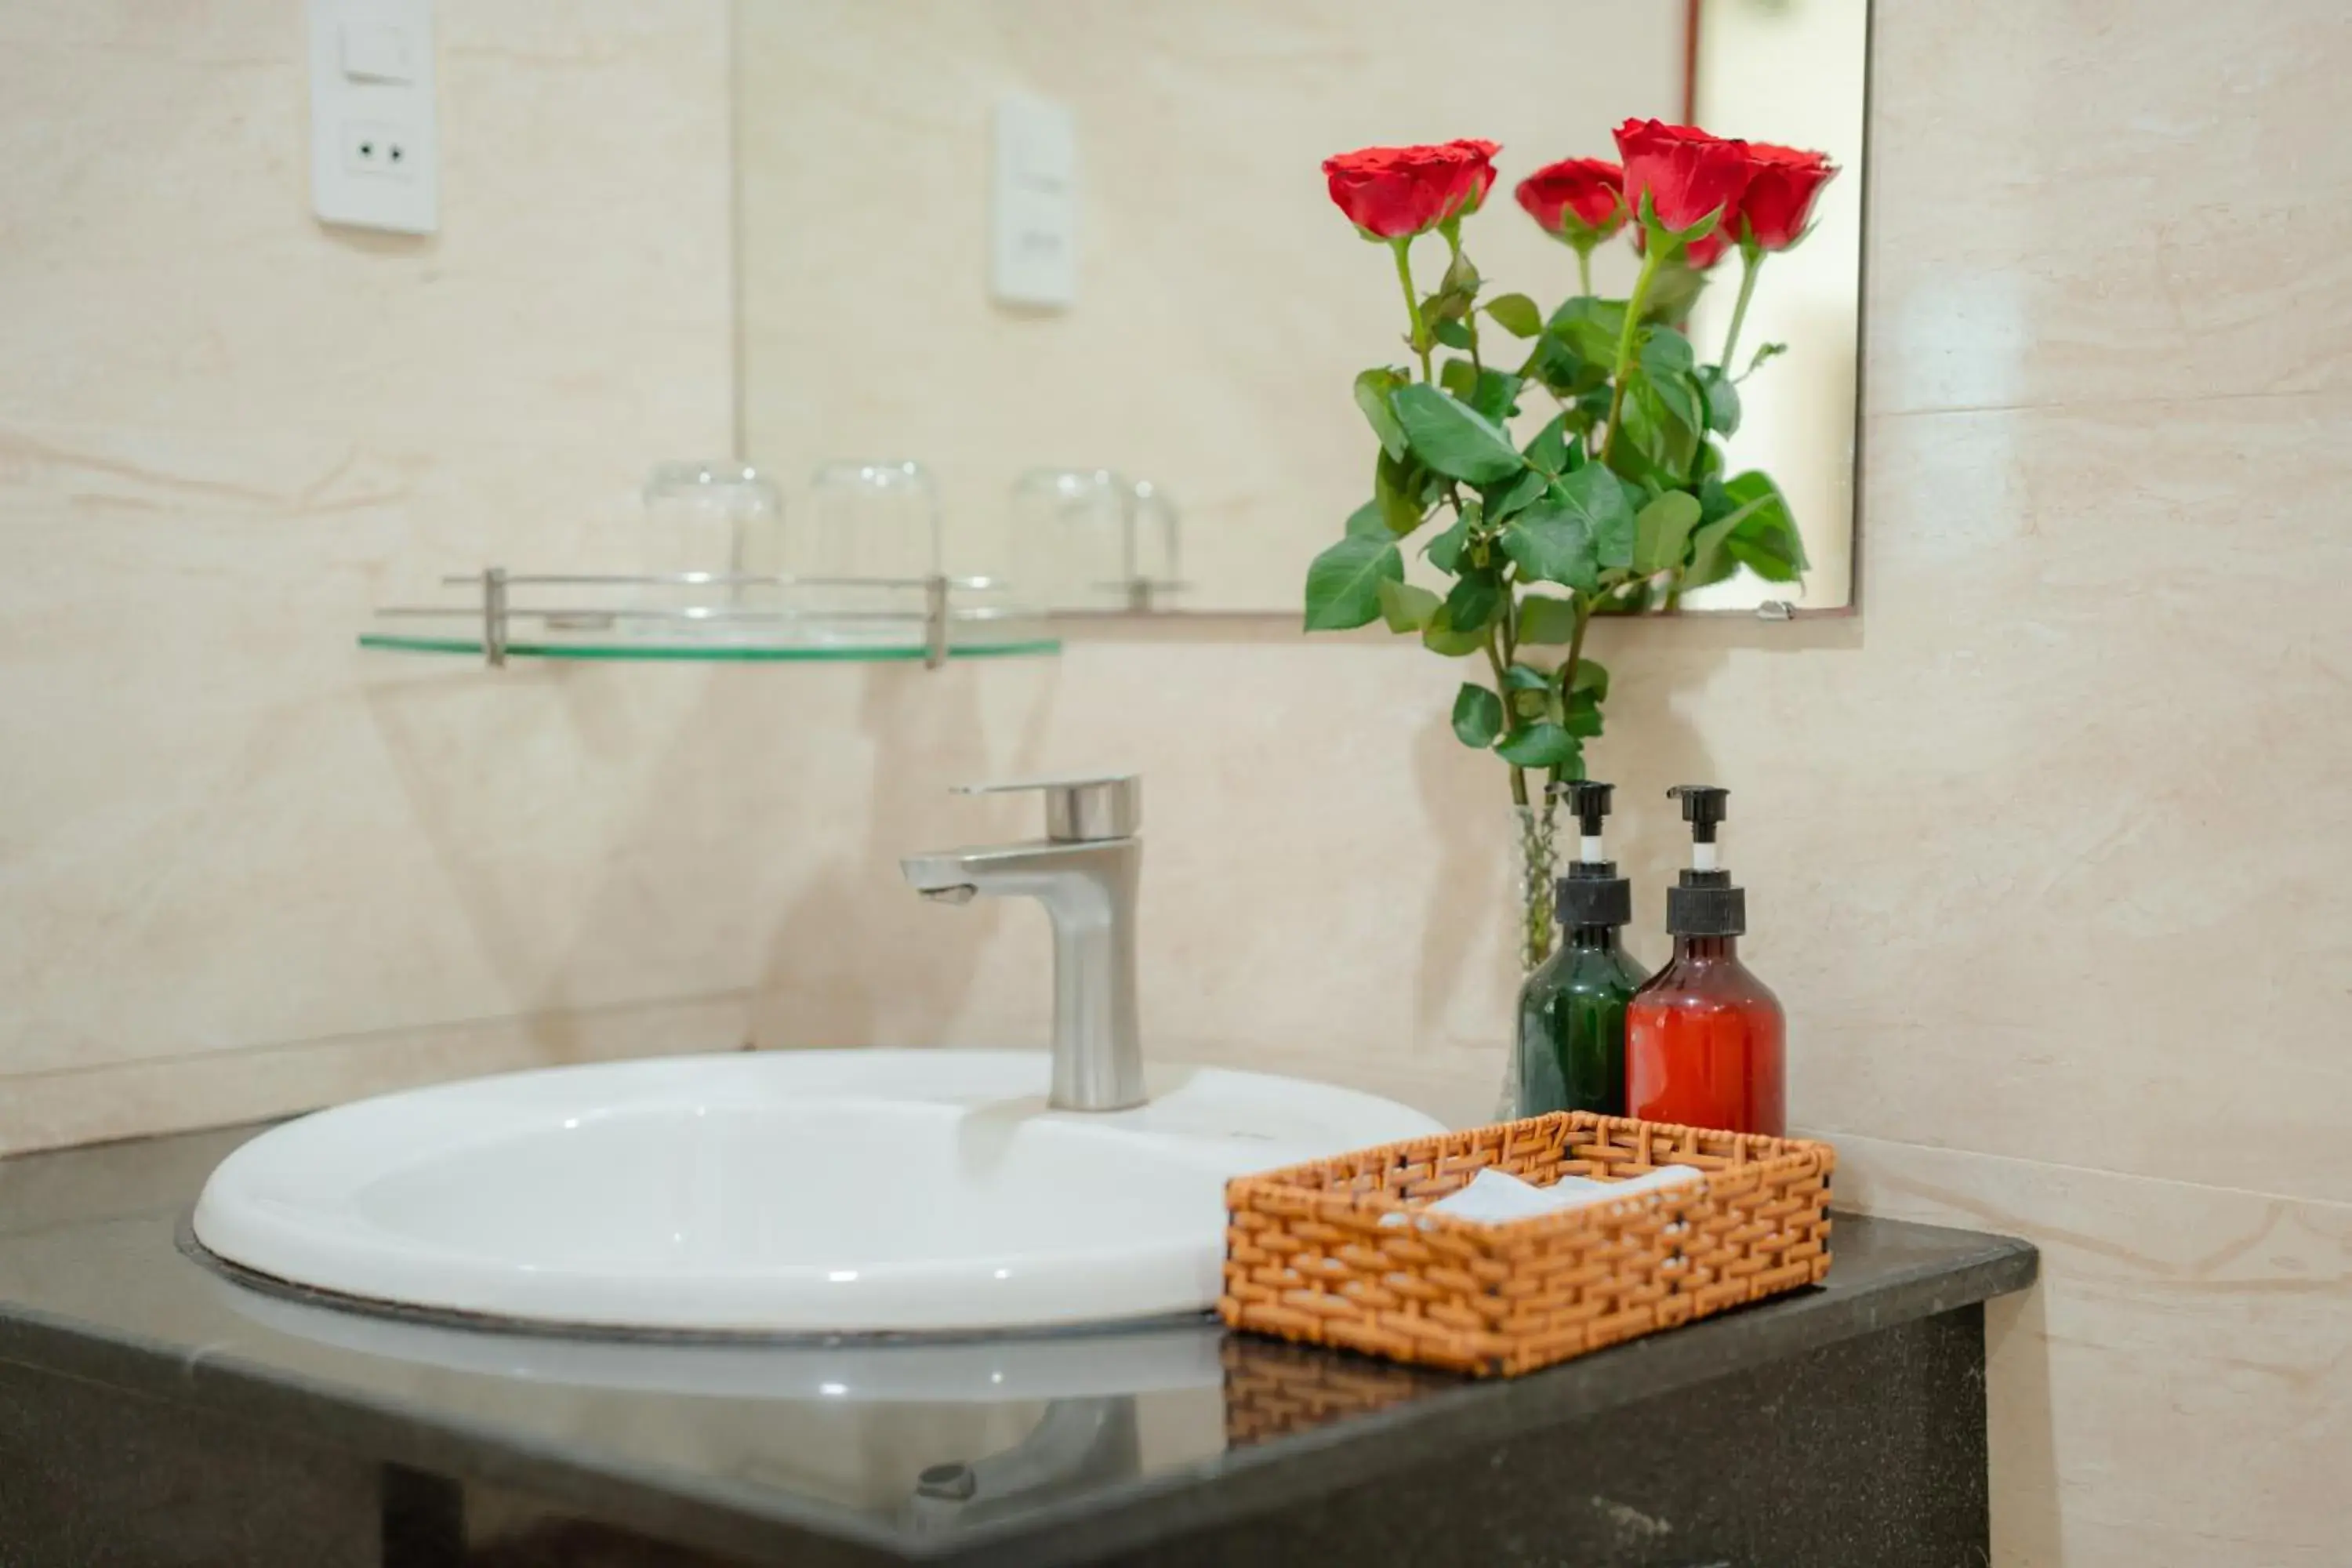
column 1307, row 1258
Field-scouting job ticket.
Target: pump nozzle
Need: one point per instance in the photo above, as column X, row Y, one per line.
column 1704, row 902
column 1704, row 806
column 1589, row 802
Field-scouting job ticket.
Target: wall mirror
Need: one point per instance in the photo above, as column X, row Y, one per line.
column 1073, row 260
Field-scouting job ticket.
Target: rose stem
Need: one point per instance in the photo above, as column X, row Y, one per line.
column 1584, row 270
column 1412, row 302
column 1469, row 317
column 1495, row 635
column 1651, row 258
column 1751, row 263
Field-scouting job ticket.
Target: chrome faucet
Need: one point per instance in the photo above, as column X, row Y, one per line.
column 1085, row 872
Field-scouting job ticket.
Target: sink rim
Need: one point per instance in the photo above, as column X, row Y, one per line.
column 284, row 1208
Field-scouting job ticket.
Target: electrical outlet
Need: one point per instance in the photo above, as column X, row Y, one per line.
column 1034, row 232
column 373, row 131
column 381, row 151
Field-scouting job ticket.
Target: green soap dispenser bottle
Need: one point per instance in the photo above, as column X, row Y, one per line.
column 1570, row 1053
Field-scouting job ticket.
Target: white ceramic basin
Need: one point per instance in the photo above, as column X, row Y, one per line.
column 787, row 1192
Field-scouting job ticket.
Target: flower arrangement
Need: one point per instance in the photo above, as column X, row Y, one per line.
column 1620, row 501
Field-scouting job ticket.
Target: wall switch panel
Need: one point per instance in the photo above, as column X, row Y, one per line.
column 374, row 141
column 1033, row 226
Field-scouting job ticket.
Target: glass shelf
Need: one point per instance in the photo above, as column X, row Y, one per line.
column 717, row 652
column 716, row 617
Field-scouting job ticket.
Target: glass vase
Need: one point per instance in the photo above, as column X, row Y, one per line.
column 1535, row 863
column 1535, row 851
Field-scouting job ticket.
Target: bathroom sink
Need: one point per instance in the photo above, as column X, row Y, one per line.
column 792, row 1191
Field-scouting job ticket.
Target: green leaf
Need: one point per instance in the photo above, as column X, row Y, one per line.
column 1529, row 691
column 1524, row 677
column 1659, row 426
column 1549, row 451
column 1460, row 377
column 1710, row 562
column 1763, row 535
column 1450, row 332
column 1496, row 394
column 1374, row 387
column 1541, row 746
column 1477, row 716
column 1764, row 353
column 1661, row 531
column 1594, row 494
column 1674, row 291
column 1454, row 438
column 1680, row 396
column 1446, row 551
column 1515, row 314
column 1552, row 541
column 1367, row 522
column 1765, row 559
column 1592, row 676
column 1406, row 606
column 1589, row 328
column 1581, row 717
column 1558, row 367
column 1545, row 621
column 1513, row 496
column 1441, row 639
column 1665, row 351
column 1471, row 606
column 1722, row 400
column 1395, row 490
column 1343, row 583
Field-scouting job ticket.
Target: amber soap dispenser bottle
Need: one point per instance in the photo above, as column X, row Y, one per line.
column 1703, row 1037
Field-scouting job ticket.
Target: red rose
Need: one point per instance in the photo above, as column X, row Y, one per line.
column 1395, row 193
column 1686, row 173
column 1579, row 199
column 1781, row 184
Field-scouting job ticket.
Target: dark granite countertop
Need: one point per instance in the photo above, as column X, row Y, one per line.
column 1013, row 1450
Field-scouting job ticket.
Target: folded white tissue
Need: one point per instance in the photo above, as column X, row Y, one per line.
column 1493, row 1197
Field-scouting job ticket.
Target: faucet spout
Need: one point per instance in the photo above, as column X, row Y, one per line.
column 1088, row 889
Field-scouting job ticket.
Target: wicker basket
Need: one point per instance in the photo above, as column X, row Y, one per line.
column 1307, row 1258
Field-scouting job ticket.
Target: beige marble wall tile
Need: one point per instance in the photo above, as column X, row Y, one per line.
column 225, row 432
column 2107, row 202
column 228, row 825
column 2029, row 839
column 2177, row 1388
column 162, row 266
column 97, row 1100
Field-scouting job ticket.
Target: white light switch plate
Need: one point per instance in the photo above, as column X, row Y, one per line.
column 375, row 144
column 1034, row 232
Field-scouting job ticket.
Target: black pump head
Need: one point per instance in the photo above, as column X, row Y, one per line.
column 1704, row 806
column 1703, row 902
column 1592, row 893
column 1588, row 801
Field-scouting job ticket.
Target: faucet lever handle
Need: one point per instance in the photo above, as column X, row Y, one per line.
column 1080, row 808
